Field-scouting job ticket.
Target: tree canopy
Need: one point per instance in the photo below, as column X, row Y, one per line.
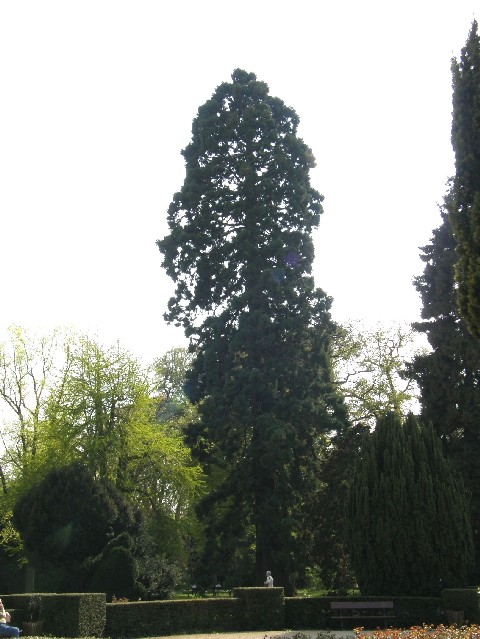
column 240, row 252
column 369, row 367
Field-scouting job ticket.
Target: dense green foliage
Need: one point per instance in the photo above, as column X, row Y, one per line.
column 463, row 201
column 68, row 519
column 408, row 517
column 326, row 533
column 72, row 401
column 449, row 375
column 240, row 252
column 368, row 364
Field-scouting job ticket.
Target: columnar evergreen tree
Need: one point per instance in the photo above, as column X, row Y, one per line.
column 463, row 201
column 449, row 376
column 409, row 525
column 328, row 517
column 240, row 252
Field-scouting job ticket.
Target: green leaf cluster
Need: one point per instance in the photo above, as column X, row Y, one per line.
column 369, row 367
column 68, row 400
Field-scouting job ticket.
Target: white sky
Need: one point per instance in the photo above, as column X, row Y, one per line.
column 98, row 99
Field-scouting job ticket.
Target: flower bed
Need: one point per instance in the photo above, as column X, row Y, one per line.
column 415, row 632
column 422, row 632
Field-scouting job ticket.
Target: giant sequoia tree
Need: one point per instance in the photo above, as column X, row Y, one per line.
column 240, row 252
column 463, row 201
column 408, row 517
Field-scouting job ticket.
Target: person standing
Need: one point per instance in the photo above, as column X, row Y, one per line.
column 269, row 581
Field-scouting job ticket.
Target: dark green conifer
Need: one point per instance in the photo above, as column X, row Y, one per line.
column 449, row 375
column 240, row 252
column 463, row 201
column 408, row 516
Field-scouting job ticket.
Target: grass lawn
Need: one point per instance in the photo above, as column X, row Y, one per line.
column 302, row 592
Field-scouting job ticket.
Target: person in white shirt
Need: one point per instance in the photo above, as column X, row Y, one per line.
column 5, row 629
column 269, row 582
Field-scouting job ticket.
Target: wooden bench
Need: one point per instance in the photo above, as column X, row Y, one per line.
column 362, row 610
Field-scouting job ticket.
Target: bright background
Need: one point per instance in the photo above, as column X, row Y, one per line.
column 97, row 100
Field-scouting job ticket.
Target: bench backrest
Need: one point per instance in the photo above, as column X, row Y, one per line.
column 355, row 605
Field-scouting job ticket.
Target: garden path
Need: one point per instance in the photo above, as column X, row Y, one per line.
column 258, row 634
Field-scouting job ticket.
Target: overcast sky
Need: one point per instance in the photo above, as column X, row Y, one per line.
column 98, row 98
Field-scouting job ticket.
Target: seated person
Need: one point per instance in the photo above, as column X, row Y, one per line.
column 5, row 629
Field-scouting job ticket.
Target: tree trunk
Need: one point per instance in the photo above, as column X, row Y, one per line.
column 29, row 578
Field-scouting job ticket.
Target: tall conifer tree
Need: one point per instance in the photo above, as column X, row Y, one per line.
column 240, row 252
column 449, row 375
column 463, row 201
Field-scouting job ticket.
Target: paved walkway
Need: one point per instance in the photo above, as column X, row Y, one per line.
column 261, row 634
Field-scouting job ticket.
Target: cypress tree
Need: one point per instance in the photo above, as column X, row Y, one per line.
column 240, row 252
column 449, row 375
column 463, row 200
column 409, row 526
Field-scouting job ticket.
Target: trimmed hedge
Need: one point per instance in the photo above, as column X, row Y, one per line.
column 466, row 599
column 151, row 618
column 264, row 607
column 63, row 615
column 88, row 614
column 307, row 613
column 74, row 615
column 416, row 611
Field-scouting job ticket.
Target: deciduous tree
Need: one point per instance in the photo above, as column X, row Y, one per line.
column 369, row 365
column 29, row 365
column 70, row 400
